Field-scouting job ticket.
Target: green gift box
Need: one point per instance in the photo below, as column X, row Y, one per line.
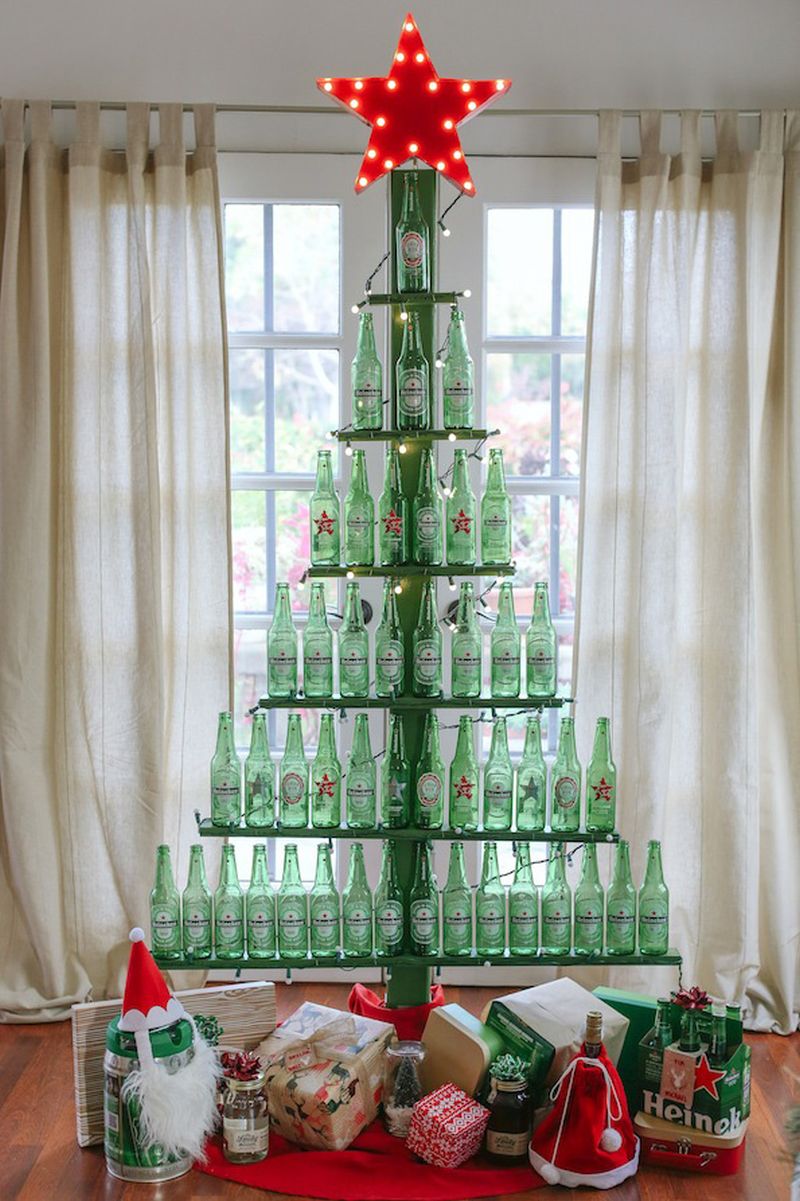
column 641, row 1013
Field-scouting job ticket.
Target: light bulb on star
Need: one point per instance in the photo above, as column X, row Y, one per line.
column 413, row 106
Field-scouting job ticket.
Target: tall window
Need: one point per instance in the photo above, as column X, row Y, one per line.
column 283, row 283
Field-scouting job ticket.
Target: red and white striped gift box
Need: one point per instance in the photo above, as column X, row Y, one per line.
column 447, row 1127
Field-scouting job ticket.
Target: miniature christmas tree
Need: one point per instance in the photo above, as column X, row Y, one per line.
column 405, row 1092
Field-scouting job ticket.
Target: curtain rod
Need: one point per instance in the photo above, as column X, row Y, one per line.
column 331, row 111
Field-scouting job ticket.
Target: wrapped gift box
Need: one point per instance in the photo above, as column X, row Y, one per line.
column 544, row 1025
column 664, row 1145
column 458, row 1049
column 324, row 1075
column 246, row 1013
column 447, row 1127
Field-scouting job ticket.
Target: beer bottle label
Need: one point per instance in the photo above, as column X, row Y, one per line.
column 293, row 788
column 389, row 661
column 411, row 392
column 566, row 791
column 521, row 920
column 196, row 926
column 588, row 925
column 429, row 789
column 291, row 921
column 555, row 922
column 324, row 923
column 490, row 916
column 412, row 249
column 621, row 920
column 357, row 925
column 389, row 920
column 360, row 792
column 359, row 529
column 282, row 665
column 505, row 655
column 317, row 661
column 457, row 926
column 367, row 398
column 260, row 929
column 353, row 660
column 229, row 923
column 427, row 525
column 423, row 921
column 165, row 927
column 427, row 662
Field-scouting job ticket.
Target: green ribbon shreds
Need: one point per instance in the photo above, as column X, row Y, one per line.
column 509, row 1067
column 209, row 1028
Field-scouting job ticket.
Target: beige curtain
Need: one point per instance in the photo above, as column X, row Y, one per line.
column 690, row 570
column 114, row 590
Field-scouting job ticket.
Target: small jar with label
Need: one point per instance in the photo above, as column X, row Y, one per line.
column 509, row 1130
column 245, row 1121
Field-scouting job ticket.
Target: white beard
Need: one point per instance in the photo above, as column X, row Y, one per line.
column 179, row 1110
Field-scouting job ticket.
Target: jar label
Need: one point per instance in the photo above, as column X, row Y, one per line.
column 246, row 1136
column 498, row 1142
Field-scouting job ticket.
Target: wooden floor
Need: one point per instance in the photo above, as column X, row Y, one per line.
column 40, row 1160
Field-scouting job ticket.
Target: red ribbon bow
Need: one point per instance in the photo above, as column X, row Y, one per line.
column 691, row 998
column 240, row 1065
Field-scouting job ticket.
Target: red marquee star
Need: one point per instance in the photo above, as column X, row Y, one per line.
column 705, row 1077
column 414, row 113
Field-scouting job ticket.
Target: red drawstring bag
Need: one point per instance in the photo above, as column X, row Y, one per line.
column 409, row 1021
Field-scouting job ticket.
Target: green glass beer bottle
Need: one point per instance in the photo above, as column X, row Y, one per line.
column 226, row 777
column 359, row 517
column 532, row 779
column 427, row 515
column 412, row 240
column 395, row 778
column 496, row 513
column 292, row 908
column 392, row 515
column 461, row 515
column 423, row 904
column 458, row 376
column 718, row 1044
column 389, row 921
column 523, row 906
column 426, row 657
column 326, row 779
column 293, row 800
column 430, row 778
column 259, row 908
column 490, row 907
column 259, row 777
column 621, row 905
column 353, row 646
column 660, row 1036
column 366, row 378
column 505, row 646
column 317, row 646
column 228, row 909
column 689, row 1040
column 565, row 781
column 464, row 779
column 541, row 646
column 413, row 380
column 653, row 906
column 282, row 647
column 324, row 907
column 165, row 909
column 556, row 907
column 361, row 779
column 601, row 781
column 356, row 907
column 390, row 653
column 466, row 661
column 324, row 517
column 457, row 906
column 196, row 908
column 589, row 906
column 498, row 781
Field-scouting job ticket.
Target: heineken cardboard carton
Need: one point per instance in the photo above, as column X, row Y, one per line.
column 685, row 1087
column 544, row 1025
column 640, row 1012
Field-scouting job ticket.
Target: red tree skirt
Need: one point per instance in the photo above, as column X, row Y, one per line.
column 409, row 1022
column 377, row 1167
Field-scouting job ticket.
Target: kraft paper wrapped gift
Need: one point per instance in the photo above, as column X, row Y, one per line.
column 324, row 1075
column 545, row 1026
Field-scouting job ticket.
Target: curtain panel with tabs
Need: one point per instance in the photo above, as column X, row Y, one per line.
column 690, row 547
column 114, row 589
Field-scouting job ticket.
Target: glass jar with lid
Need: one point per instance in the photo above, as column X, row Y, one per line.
column 508, row 1132
column 245, row 1120
column 402, row 1087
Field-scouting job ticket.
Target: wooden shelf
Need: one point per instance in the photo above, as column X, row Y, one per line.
column 407, row 570
column 393, row 435
column 207, row 829
column 672, row 958
column 414, row 704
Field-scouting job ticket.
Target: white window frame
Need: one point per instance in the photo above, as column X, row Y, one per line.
column 317, row 178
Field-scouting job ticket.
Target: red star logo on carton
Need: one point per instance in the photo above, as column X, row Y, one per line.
column 706, row 1078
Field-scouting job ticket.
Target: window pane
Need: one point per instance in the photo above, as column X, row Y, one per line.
column 289, row 542
column 306, row 407
column 249, row 552
column 306, row 268
column 246, row 373
column 572, row 369
column 505, row 858
column 566, row 644
column 518, row 404
column 577, row 232
column 250, row 678
column 244, row 266
column 519, row 255
column 568, row 551
column 309, row 720
column 530, row 517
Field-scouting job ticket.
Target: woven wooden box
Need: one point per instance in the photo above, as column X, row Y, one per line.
column 246, row 1013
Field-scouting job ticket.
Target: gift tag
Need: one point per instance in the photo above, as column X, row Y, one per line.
column 677, row 1076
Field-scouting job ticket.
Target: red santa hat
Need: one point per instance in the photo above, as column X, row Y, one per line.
column 587, row 1138
column 148, row 1004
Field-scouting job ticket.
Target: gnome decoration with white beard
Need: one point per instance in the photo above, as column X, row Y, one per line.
column 587, row 1138
column 161, row 1078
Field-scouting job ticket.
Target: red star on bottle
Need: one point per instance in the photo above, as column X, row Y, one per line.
column 324, row 523
column 393, row 523
column 464, row 788
column 461, row 523
column 705, row 1077
column 326, row 786
column 414, row 113
column 602, row 791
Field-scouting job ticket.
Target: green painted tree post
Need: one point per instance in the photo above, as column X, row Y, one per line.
column 409, row 984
